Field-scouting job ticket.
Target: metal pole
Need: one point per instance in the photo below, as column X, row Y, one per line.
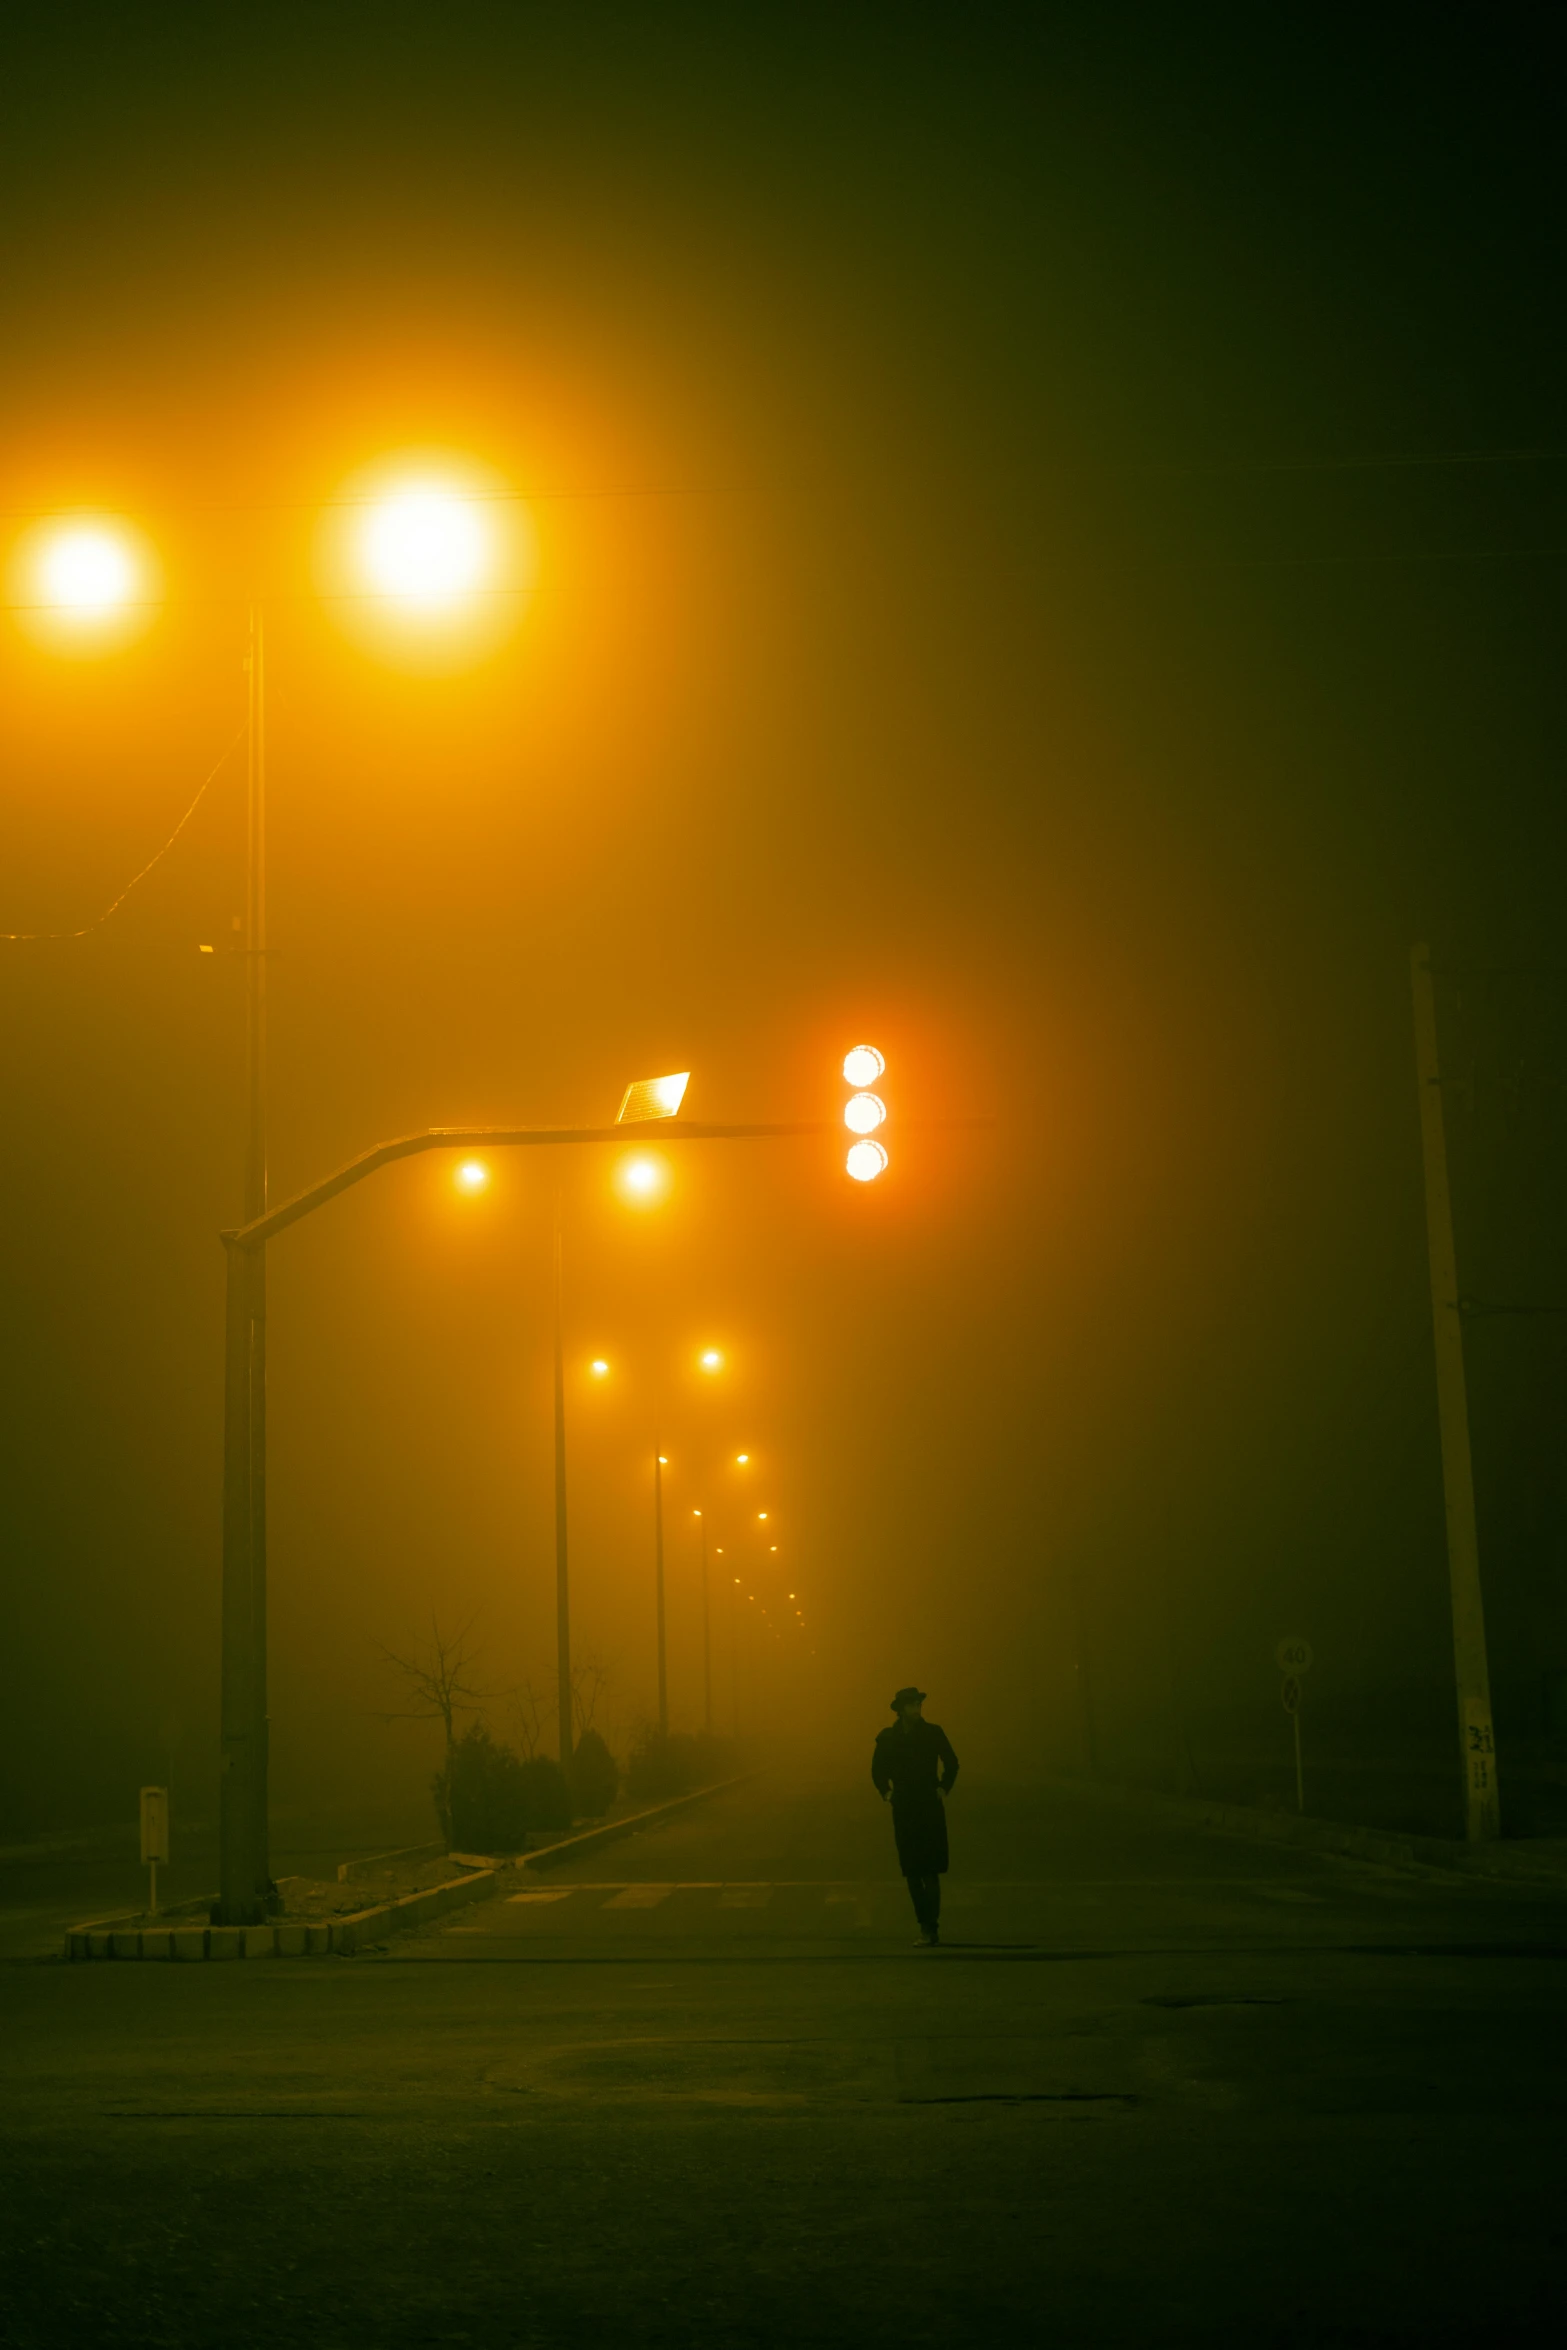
column 562, row 1570
column 242, row 1860
column 707, row 1644
column 1476, row 1737
column 658, row 1586
column 245, row 1878
column 256, row 1205
column 734, row 1660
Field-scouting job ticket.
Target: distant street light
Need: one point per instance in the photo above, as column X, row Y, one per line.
column 712, row 1360
column 642, row 1179
column 599, row 1367
column 472, row 1175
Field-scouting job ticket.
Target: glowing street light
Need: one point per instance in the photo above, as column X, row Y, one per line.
column 598, row 1367
column 86, row 571
column 652, row 1097
column 741, row 1459
column 642, row 1180
column 473, row 1175
column 863, row 1112
column 425, row 544
column 711, row 1359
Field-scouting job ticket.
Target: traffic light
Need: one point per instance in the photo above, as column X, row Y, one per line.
column 864, row 1112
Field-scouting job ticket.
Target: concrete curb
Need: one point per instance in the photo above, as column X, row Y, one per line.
column 1490, row 1863
column 299, row 1938
column 550, row 1856
column 119, row 1938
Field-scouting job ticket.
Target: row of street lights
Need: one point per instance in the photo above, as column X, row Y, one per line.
column 425, row 546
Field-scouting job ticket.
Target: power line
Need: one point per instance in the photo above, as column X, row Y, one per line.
column 23, row 937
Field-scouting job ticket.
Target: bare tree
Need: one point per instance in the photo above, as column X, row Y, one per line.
column 590, row 1677
column 437, row 1680
column 527, row 1711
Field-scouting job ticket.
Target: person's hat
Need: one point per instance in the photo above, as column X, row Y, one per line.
column 906, row 1697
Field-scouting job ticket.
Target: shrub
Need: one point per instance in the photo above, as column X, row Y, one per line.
column 677, row 1764
column 595, row 1776
column 488, row 1800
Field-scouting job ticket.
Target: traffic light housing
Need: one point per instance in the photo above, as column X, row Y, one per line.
column 864, row 1112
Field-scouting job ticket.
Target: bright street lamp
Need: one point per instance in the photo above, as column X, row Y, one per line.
column 425, row 544
column 86, row 571
column 472, row 1175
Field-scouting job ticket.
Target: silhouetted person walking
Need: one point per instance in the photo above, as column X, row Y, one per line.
column 913, row 1767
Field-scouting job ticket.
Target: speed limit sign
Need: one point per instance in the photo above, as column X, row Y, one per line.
column 1293, row 1656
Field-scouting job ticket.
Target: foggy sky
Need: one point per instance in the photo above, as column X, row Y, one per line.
column 995, row 598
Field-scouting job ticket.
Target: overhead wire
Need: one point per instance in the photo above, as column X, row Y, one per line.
column 25, row 937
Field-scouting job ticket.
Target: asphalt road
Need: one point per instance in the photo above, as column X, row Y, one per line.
column 1157, row 2086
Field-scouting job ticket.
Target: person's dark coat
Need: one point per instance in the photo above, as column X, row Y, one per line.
column 915, row 1762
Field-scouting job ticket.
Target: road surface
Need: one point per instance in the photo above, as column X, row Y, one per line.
column 700, row 2088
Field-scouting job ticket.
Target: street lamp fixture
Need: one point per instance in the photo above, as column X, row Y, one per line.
column 865, row 1161
column 425, row 544
column 652, row 1097
column 472, row 1175
column 642, row 1179
column 86, row 572
column 862, row 1066
column 599, row 1368
column 712, row 1360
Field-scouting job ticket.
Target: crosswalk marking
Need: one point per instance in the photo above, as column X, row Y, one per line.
column 640, row 1897
column 554, row 1893
column 745, row 1897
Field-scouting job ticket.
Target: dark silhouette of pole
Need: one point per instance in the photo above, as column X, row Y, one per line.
column 562, row 1564
column 707, row 1643
column 658, row 1588
column 245, row 1889
column 1471, row 1670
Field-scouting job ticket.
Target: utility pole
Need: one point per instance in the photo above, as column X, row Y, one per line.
column 562, row 1569
column 707, row 1644
column 658, row 1585
column 246, row 1892
column 1476, row 1737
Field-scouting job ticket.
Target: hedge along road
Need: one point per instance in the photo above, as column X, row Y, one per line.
column 1160, row 2085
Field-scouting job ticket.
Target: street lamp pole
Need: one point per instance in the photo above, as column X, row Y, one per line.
column 707, row 1644
column 245, row 1893
column 658, row 1586
column 562, row 1568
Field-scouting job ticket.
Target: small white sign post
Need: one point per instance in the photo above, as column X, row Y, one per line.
column 154, row 1836
column 1293, row 1656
